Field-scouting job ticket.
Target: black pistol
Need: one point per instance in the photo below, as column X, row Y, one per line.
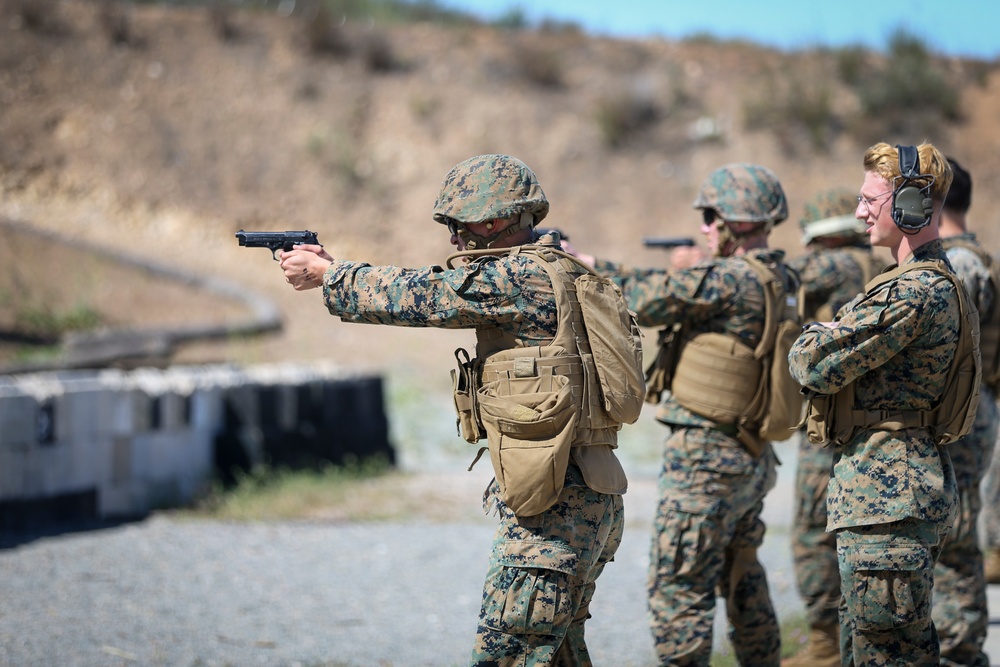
column 667, row 242
column 276, row 241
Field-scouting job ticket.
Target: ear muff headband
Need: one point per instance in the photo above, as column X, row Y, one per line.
column 911, row 206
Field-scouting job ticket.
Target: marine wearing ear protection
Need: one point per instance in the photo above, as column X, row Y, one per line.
column 911, row 205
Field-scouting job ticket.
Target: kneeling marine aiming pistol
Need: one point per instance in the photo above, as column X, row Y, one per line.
column 275, row 241
column 667, row 242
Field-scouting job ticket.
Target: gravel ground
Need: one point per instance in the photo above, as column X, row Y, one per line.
column 173, row 591
column 182, row 592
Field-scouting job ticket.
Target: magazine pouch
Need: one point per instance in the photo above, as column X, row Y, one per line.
column 464, row 381
column 828, row 417
column 530, row 422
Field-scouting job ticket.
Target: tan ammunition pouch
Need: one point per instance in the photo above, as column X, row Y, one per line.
column 536, row 404
column 833, row 419
column 531, row 420
column 465, row 380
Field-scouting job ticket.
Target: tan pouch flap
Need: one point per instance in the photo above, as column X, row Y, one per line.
column 602, row 471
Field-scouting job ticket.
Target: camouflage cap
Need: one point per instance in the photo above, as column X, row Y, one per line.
column 744, row 193
column 488, row 187
column 831, row 213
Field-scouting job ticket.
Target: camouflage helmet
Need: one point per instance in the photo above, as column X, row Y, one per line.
column 743, row 193
column 487, row 187
column 831, row 213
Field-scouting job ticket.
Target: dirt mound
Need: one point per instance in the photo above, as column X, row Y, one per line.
column 164, row 142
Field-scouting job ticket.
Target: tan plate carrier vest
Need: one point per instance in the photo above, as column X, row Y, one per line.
column 719, row 377
column 834, row 419
column 536, row 403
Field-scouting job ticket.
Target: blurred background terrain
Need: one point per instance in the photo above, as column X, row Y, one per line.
column 159, row 129
column 137, row 137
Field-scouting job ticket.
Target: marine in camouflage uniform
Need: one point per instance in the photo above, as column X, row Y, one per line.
column 711, row 488
column 835, row 269
column 543, row 568
column 960, row 611
column 892, row 495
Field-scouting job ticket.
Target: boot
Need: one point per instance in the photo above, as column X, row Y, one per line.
column 823, row 649
column 991, row 566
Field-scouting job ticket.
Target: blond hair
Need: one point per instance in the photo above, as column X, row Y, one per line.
column 883, row 160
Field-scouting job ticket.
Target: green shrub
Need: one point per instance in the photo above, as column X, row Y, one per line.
column 795, row 102
column 851, row 64
column 378, row 54
column 513, row 19
column 620, row 118
column 909, row 95
column 323, row 35
column 266, row 493
column 540, row 66
column 116, row 23
column 47, row 323
column 35, row 15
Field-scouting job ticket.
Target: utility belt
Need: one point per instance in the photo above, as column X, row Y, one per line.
column 831, row 419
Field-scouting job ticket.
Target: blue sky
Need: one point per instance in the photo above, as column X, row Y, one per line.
column 968, row 28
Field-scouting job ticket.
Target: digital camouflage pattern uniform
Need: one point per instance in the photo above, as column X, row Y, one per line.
column 959, row 610
column 831, row 277
column 543, row 568
column 892, row 495
column 708, row 523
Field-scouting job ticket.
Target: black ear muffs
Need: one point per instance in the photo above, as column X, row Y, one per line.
column 911, row 206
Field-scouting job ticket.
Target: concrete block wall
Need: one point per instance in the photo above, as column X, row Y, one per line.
column 116, row 443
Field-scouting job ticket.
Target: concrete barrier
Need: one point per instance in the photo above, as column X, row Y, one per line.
column 114, row 443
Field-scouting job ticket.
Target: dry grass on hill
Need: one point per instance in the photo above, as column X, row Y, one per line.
column 164, row 142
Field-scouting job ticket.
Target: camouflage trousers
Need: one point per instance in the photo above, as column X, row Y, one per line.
column 707, row 531
column 991, row 503
column 814, row 550
column 959, row 610
column 542, row 575
column 886, row 575
column 991, row 483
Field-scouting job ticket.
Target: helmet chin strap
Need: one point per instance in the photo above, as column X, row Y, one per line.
column 476, row 242
column 730, row 241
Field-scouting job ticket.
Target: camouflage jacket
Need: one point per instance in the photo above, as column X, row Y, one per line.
column 970, row 268
column 971, row 455
column 512, row 293
column 720, row 295
column 831, row 277
column 897, row 345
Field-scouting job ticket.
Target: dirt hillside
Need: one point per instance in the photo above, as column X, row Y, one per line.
column 151, row 130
